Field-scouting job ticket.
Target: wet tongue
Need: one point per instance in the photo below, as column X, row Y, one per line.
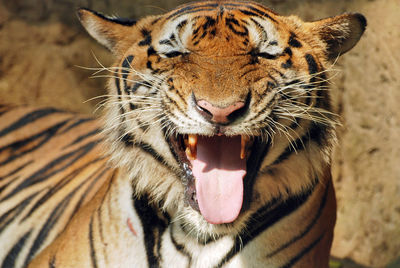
column 219, row 173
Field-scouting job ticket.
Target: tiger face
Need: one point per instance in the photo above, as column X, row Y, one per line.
column 218, row 108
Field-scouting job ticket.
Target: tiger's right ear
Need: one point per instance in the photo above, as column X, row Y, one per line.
column 113, row 33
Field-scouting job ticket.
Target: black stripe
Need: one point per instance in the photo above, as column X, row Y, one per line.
column 155, row 20
column 38, row 140
column 126, row 64
column 83, row 137
column 88, row 189
column 139, row 84
column 260, row 12
column 100, row 223
column 60, row 186
column 249, row 71
column 268, row 215
column 259, row 151
column 316, row 133
column 191, row 9
column 288, row 51
column 302, row 253
column 180, row 26
column 52, row 262
column 312, row 64
column 254, row 11
column 267, row 55
column 13, row 213
column 153, row 228
column 273, row 43
column 261, row 28
column 197, row 10
column 149, row 65
column 17, row 169
column 308, row 228
column 173, row 54
column 171, row 144
column 27, row 119
column 231, row 21
column 11, row 257
column 249, row 13
column 151, row 51
column 121, row 108
column 172, row 38
column 263, row 109
column 209, row 23
column 57, row 165
column 76, row 124
column 166, row 42
column 180, row 248
column 100, row 209
column 293, row 42
column 4, row 109
column 93, row 257
column 146, row 41
column 128, row 140
column 47, row 227
column 121, row 21
column 287, row 64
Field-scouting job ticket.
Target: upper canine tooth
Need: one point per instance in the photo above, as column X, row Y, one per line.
column 192, row 144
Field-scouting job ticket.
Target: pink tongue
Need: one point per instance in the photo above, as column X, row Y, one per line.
column 219, row 173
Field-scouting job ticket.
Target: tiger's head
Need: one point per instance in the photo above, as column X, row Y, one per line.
column 218, row 107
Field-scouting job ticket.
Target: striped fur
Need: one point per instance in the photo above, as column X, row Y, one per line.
column 51, row 165
column 58, row 187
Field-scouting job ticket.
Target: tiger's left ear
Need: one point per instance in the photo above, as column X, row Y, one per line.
column 340, row 33
column 113, row 33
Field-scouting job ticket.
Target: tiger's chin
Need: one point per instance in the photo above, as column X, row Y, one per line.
column 194, row 225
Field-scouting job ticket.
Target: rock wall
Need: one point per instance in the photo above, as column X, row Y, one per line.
column 42, row 45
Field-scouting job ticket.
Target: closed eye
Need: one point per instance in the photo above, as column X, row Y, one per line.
column 264, row 55
column 173, row 54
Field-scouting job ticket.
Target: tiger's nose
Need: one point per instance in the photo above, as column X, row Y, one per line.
column 221, row 115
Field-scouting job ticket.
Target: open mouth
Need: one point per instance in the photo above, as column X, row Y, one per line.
column 219, row 172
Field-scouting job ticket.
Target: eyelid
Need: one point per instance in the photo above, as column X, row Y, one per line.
column 266, row 55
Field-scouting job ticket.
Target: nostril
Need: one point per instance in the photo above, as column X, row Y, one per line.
column 218, row 114
column 203, row 110
column 235, row 114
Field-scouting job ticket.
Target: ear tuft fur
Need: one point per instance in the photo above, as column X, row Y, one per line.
column 340, row 33
column 108, row 31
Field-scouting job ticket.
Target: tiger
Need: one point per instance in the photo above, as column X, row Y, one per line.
column 213, row 148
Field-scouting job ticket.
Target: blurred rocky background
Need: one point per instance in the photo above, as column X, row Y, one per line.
column 42, row 46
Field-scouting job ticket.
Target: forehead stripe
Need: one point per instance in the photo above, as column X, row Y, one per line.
column 254, row 11
column 191, row 9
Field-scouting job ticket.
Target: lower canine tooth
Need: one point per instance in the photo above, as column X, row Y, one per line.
column 243, row 144
column 189, row 154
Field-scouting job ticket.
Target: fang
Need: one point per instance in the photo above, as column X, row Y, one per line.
column 244, row 146
column 191, row 149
